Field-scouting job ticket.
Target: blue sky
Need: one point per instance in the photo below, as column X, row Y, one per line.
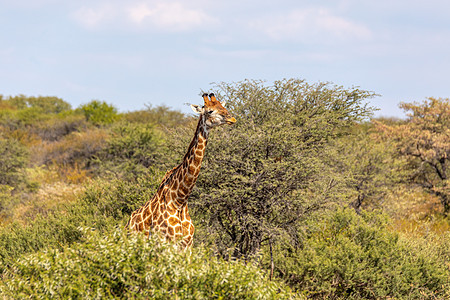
column 137, row 52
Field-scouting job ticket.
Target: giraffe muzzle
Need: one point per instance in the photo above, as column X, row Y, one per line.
column 231, row 121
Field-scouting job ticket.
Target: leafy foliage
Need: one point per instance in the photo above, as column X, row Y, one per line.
column 132, row 148
column 157, row 116
column 46, row 105
column 265, row 174
column 103, row 204
column 99, row 112
column 368, row 164
column 425, row 140
column 13, row 158
column 272, row 193
column 119, row 266
column 356, row 256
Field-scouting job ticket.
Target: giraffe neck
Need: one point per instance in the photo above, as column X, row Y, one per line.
column 183, row 179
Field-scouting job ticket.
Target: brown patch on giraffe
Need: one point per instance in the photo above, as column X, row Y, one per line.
column 178, row 229
column 140, row 226
column 189, row 180
column 138, row 218
column 180, row 176
column 175, row 185
column 183, row 214
column 171, row 208
column 200, row 146
column 183, row 189
column 185, row 226
column 170, row 231
column 192, row 169
column 148, row 222
column 155, row 206
column 197, row 160
column 173, row 221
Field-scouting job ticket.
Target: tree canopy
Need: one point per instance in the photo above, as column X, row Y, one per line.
column 424, row 138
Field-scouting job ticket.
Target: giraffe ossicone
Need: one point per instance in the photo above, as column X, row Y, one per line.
column 167, row 211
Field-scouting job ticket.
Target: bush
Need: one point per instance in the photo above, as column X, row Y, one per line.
column 13, row 158
column 116, row 198
column 47, row 105
column 117, row 265
column 7, row 201
column 132, row 148
column 356, row 256
column 103, row 205
column 266, row 173
column 76, row 147
column 99, row 112
column 60, row 126
column 159, row 115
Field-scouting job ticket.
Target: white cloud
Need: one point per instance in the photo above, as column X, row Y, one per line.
column 312, row 24
column 93, row 17
column 150, row 14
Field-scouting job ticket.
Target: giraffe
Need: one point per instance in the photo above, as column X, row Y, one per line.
column 167, row 211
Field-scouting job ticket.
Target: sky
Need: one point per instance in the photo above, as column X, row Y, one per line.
column 135, row 53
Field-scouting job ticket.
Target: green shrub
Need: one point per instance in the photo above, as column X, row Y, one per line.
column 131, row 149
column 117, row 265
column 99, row 112
column 116, row 198
column 103, row 205
column 159, row 115
column 60, row 126
column 265, row 174
column 7, row 200
column 13, row 158
column 351, row 256
column 49, row 231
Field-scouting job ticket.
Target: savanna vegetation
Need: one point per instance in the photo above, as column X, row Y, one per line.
column 306, row 196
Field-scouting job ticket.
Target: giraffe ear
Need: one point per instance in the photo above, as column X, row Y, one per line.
column 223, row 103
column 197, row 109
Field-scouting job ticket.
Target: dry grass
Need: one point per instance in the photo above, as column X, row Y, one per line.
column 49, row 197
column 415, row 212
column 73, row 148
column 56, row 187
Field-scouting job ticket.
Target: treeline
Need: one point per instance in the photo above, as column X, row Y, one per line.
column 305, row 196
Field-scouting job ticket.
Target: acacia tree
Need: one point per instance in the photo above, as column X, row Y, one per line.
column 368, row 164
column 424, row 138
column 263, row 175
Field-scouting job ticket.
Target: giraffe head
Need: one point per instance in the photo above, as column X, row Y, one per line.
column 214, row 112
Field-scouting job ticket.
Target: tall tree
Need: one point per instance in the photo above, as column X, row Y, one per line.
column 368, row 164
column 424, row 138
column 266, row 173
